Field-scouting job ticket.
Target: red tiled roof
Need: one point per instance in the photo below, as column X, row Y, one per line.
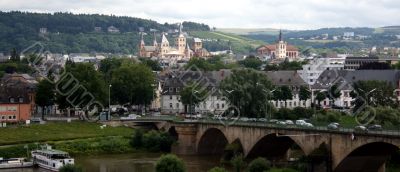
column 273, row 47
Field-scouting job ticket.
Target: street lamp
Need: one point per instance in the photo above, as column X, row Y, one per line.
column 109, row 100
column 191, row 102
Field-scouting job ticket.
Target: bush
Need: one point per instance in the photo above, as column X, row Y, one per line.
column 259, row 165
column 217, row 169
column 70, row 168
column 137, row 138
column 170, row 163
column 238, row 163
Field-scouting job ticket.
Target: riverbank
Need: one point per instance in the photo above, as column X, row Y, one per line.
column 58, row 131
column 76, row 138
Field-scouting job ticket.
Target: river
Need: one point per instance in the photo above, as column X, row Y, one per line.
column 132, row 162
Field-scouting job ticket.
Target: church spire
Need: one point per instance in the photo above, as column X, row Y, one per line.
column 280, row 35
column 141, row 40
column 155, row 44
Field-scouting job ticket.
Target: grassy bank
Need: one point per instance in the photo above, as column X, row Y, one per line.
column 99, row 145
column 58, row 132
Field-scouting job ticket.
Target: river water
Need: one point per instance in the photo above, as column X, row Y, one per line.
column 132, row 162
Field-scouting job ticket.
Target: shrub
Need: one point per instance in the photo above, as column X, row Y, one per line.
column 137, row 138
column 70, row 168
column 238, row 163
column 170, row 163
column 217, row 169
column 258, row 165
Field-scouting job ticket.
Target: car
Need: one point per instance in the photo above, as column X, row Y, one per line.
column 262, row 120
column 289, row 122
column 300, row 122
column 273, row 120
column 375, row 127
column 309, row 125
column 332, row 126
column 281, row 123
column 361, row 129
column 335, row 123
column 244, row 119
column 253, row 119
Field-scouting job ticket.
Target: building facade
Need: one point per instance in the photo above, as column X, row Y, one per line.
column 311, row 71
column 16, row 98
column 280, row 50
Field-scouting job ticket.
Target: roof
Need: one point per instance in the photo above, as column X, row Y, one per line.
column 52, row 151
column 289, row 78
column 164, row 39
column 196, row 39
column 272, row 47
column 149, row 48
column 347, row 78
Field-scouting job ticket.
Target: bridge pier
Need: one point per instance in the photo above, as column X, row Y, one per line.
column 186, row 139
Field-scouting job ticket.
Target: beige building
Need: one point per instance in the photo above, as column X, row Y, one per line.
column 280, row 50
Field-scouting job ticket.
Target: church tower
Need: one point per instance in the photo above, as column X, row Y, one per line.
column 155, row 44
column 164, row 46
column 280, row 47
column 180, row 41
column 141, row 47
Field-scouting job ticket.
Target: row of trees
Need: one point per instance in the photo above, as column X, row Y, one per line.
column 130, row 83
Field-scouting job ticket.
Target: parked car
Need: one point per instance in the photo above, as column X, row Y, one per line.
column 289, row 122
column 309, row 125
column 281, row 123
column 375, row 127
column 335, row 123
column 361, row 128
column 244, row 119
column 332, row 126
column 300, row 122
column 262, row 119
column 273, row 120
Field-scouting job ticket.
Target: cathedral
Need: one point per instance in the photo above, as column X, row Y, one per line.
column 280, row 50
column 180, row 51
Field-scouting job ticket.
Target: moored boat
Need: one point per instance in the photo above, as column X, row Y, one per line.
column 14, row 163
column 51, row 159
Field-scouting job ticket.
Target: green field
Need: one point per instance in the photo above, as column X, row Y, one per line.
column 57, row 132
column 238, row 43
column 246, row 31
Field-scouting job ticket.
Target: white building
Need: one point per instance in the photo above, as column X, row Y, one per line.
column 315, row 67
column 174, row 82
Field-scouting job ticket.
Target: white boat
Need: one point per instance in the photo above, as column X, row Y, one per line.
column 51, row 159
column 14, row 163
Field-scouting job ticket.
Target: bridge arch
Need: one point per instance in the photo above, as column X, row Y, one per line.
column 212, row 142
column 369, row 157
column 273, row 147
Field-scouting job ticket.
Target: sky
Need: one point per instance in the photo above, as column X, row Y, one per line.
column 278, row 14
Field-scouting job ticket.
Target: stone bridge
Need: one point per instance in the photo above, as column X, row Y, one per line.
column 364, row 152
column 361, row 153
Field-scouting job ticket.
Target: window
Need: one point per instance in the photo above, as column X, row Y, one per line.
column 170, row 97
column 9, row 116
column 177, row 89
column 171, row 89
column 223, row 105
column 14, row 117
column 170, row 105
column 21, row 100
column 3, row 117
column 177, row 105
column 12, row 100
column 217, row 105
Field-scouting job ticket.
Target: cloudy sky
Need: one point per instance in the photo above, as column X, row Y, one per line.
column 285, row 14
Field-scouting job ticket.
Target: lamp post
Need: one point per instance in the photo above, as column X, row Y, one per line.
column 109, row 100
column 191, row 103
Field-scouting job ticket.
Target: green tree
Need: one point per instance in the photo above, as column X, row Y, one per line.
column 248, row 90
column 133, row 84
column 283, row 93
column 258, row 165
column 70, row 168
column 373, row 93
column 320, row 96
column 251, row 62
column 170, row 163
column 45, row 95
column 137, row 139
column 238, row 163
column 14, row 55
column 304, row 93
column 217, row 169
column 191, row 95
column 334, row 93
column 154, row 65
column 90, row 81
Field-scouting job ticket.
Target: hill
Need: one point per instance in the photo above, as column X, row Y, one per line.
column 223, row 41
column 75, row 33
